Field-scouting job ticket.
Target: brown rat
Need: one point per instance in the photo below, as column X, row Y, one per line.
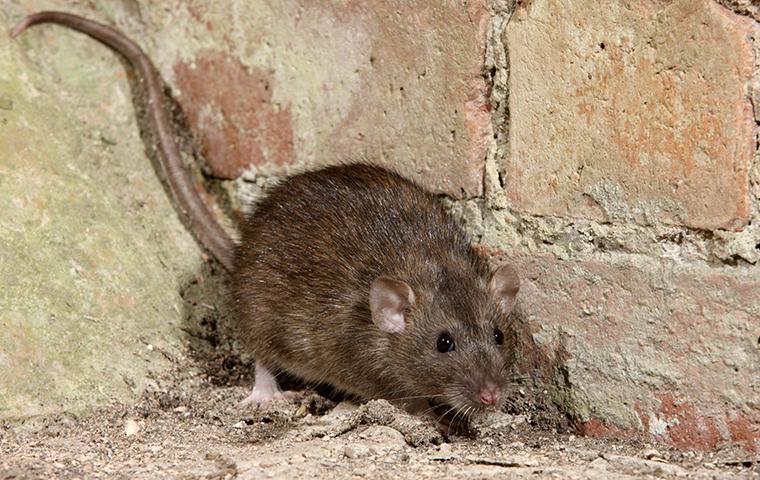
column 350, row 275
column 354, row 276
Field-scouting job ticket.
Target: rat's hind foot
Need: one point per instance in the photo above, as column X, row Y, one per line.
column 265, row 389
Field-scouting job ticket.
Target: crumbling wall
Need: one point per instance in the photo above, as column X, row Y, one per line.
column 606, row 147
column 625, row 176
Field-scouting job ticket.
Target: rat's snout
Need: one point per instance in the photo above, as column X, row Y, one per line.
column 489, row 394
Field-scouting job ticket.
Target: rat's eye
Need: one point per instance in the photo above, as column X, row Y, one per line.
column 498, row 336
column 445, row 343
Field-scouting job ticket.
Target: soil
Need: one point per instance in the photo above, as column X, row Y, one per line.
column 188, row 426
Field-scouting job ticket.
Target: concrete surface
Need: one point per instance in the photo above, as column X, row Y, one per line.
column 192, row 434
column 93, row 257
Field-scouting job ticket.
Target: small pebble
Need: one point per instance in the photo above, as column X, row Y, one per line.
column 349, row 452
column 651, row 453
column 131, row 427
column 442, row 453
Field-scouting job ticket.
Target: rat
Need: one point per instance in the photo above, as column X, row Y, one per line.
column 350, row 275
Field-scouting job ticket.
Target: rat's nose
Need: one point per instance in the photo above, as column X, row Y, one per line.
column 489, row 394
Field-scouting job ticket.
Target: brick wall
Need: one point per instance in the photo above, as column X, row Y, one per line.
column 628, row 184
column 608, row 146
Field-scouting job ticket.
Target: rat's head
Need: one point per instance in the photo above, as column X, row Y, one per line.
column 454, row 340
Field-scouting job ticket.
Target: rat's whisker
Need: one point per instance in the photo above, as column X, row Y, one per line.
column 412, row 397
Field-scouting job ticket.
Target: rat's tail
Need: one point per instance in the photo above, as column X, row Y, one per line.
column 199, row 218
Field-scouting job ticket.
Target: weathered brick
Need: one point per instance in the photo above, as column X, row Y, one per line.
column 662, row 349
column 233, row 111
column 633, row 111
column 313, row 83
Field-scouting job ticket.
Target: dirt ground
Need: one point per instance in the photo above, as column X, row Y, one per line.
column 187, row 426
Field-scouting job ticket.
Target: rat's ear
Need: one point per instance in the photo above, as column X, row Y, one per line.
column 504, row 285
column 389, row 301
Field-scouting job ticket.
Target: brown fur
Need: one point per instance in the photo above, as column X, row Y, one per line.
column 306, row 261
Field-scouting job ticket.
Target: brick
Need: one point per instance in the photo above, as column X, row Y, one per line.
column 232, row 109
column 667, row 351
column 323, row 82
column 631, row 111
